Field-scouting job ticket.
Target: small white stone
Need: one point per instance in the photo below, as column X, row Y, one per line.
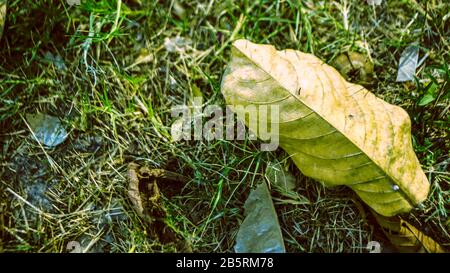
column 395, row 187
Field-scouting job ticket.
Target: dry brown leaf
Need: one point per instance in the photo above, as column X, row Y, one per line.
column 133, row 189
column 335, row 131
column 405, row 237
column 145, row 196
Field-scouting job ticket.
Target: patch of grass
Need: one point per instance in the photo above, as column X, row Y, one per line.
column 117, row 114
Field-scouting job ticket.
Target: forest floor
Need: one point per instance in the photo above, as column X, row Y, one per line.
column 80, row 63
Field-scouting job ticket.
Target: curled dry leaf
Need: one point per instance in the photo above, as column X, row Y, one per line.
column 133, row 189
column 146, row 198
column 336, row 132
column 405, row 237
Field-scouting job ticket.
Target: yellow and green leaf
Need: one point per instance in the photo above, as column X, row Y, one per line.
column 336, row 132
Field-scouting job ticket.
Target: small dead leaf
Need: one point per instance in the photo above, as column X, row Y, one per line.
column 408, row 63
column 133, row 189
column 162, row 174
column 260, row 231
column 405, row 237
column 146, row 198
column 46, row 129
column 335, row 131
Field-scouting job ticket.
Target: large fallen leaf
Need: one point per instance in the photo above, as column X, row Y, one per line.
column 260, row 232
column 335, row 131
column 405, row 237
